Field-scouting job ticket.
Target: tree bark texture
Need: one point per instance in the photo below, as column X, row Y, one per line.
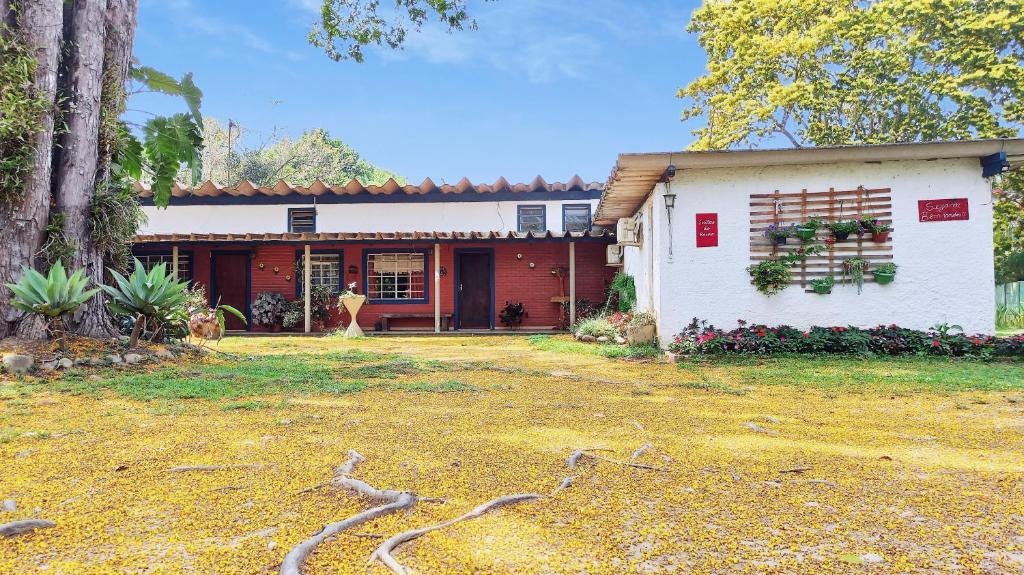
column 23, row 227
column 75, row 183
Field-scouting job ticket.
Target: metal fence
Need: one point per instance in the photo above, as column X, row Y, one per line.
column 1010, row 295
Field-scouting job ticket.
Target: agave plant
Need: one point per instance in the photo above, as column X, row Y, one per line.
column 154, row 298
column 51, row 296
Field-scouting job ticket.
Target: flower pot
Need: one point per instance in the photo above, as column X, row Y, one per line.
column 780, row 240
column 840, row 236
column 275, row 328
column 879, row 236
column 883, row 278
column 866, row 225
column 805, row 234
column 822, row 290
column 640, row 334
column 352, row 304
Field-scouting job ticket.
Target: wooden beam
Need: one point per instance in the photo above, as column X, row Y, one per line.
column 307, row 272
column 437, row 288
column 572, row 284
column 174, row 261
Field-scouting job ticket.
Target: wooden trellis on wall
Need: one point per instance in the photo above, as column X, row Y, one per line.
column 833, row 205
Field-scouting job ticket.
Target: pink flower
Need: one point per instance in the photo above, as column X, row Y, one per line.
column 935, row 343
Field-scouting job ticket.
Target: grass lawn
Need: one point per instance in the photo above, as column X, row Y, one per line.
column 788, row 465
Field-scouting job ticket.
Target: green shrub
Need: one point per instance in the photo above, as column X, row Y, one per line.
column 51, row 296
column 156, row 300
column 595, row 326
column 621, row 293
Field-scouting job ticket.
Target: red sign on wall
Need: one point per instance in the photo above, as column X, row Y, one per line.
column 707, row 230
column 946, row 210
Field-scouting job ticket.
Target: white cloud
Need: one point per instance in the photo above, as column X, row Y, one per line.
column 188, row 15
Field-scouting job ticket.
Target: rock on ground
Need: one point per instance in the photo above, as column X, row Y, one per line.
column 18, row 363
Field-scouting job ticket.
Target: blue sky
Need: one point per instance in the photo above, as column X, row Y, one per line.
column 549, row 88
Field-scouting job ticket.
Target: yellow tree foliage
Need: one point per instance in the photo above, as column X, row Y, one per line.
column 833, row 72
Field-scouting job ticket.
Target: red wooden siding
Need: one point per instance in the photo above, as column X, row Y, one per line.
column 514, row 279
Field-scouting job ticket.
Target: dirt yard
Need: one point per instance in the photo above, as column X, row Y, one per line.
column 724, row 466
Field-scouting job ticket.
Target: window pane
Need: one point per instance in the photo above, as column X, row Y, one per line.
column 302, row 221
column 577, row 218
column 324, row 270
column 395, row 276
column 151, row 260
column 531, row 219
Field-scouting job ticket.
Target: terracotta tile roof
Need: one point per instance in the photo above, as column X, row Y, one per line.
column 354, row 187
column 371, row 236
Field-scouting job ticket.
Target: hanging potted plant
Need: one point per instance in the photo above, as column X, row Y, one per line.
column 855, row 268
column 823, row 285
column 880, row 232
column 770, row 276
column 808, row 229
column 867, row 223
column 885, row 273
column 777, row 233
column 842, row 229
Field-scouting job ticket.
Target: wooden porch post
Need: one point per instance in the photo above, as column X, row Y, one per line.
column 174, row 261
column 572, row 284
column 437, row 288
column 307, row 271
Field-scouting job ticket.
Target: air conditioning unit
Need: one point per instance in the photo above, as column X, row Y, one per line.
column 613, row 255
column 627, row 231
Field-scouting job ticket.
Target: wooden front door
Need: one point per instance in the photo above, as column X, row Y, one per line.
column 231, row 285
column 474, row 290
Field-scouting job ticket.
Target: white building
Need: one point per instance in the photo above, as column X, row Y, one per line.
column 935, row 196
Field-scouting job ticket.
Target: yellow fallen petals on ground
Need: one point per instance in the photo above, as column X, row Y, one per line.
column 837, row 481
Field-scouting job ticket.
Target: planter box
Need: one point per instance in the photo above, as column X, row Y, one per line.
column 640, row 335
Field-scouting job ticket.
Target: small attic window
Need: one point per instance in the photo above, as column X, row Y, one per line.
column 302, row 220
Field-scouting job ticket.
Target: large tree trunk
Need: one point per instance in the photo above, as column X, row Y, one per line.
column 117, row 60
column 23, row 227
column 75, row 184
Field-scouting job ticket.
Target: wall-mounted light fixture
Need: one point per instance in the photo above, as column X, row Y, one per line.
column 442, row 271
column 353, row 270
column 670, row 200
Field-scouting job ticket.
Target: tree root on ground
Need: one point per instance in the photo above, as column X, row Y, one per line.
column 574, row 459
column 24, row 526
column 384, row 550
column 395, row 501
column 187, row 468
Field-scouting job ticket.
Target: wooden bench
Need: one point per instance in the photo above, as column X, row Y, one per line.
column 446, row 319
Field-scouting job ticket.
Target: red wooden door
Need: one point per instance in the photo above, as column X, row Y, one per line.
column 231, row 285
column 474, row 290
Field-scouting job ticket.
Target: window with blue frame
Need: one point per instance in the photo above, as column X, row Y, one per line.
column 532, row 218
column 149, row 260
column 324, row 270
column 396, row 276
column 576, row 217
column 302, row 220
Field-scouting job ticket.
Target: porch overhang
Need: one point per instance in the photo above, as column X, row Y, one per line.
column 599, row 235
column 635, row 175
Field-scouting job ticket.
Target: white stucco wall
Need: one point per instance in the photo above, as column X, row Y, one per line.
column 945, row 268
column 452, row 216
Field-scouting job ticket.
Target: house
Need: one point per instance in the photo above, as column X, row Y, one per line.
column 427, row 256
column 690, row 224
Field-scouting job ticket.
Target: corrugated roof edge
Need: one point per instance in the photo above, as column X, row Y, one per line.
column 354, row 187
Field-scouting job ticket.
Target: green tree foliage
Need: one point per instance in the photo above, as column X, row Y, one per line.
column 1008, row 228
column 20, row 111
column 348, row 26
column 832, row 72
column 316, row 154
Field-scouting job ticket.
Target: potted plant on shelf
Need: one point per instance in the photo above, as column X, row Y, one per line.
column 880, row 232
column 885, row 273
column 351, row 301
column 770, row 276
column 778, row 234
column 823, row 285
column 855, row 268
column 268, row 310
column 512, row 314
column 842, row 229
column 808, row 229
